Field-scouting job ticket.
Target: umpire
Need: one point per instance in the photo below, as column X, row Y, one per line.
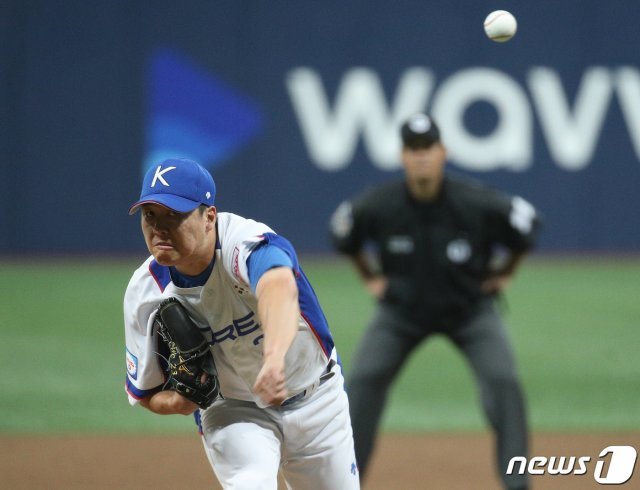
column 445, row 248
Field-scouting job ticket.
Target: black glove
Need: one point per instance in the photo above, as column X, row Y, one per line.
column 192, row 370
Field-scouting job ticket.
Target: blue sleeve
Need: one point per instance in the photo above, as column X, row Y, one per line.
column 263, row 258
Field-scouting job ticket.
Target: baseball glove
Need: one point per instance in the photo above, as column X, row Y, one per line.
column 191, row 368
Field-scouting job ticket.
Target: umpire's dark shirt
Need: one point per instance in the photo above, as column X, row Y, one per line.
column 435, row 254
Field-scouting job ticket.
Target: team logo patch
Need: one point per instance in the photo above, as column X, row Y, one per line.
column 132, row 364
column 342, row 220
column 459, row 251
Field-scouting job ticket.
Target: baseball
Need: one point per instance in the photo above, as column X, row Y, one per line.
column 500, row 26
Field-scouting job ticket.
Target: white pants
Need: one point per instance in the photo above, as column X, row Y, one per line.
column 310, row 441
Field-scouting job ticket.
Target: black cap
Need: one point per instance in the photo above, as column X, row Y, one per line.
column 420, row 131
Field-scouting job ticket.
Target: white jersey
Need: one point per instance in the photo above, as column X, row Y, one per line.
column 225, row 309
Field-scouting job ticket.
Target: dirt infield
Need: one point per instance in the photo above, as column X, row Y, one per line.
column 403, row 462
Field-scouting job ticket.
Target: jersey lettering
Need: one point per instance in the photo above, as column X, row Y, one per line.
column 244, row 326
column 238, row 328
column 223, row 334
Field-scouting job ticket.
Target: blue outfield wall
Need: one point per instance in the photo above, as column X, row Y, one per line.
column 295, row 105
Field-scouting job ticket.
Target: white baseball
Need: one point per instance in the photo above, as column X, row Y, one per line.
column 500, row 26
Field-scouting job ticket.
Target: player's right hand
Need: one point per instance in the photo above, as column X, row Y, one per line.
column 270, row 384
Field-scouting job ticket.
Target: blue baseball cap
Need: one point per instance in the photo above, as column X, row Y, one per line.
column 178, row 184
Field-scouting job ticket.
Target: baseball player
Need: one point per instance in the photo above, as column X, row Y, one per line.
column 437, row 239
column 282, row 404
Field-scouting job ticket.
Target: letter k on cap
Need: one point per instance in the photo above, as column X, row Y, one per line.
column 159, row 175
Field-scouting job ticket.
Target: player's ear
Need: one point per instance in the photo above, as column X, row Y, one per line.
column 443, row 149
column 211, row 214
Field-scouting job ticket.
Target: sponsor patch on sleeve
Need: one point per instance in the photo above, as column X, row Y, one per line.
column 132, row 364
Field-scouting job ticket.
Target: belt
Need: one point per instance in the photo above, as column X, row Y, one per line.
column 325, row 376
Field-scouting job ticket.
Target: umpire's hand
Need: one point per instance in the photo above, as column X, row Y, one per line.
column 377, row 286
column 496, row 284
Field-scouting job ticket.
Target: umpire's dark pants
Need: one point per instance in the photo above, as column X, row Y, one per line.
column 482, row 339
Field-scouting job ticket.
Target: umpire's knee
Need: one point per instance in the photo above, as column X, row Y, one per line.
column 501, row 394
column 369, row 377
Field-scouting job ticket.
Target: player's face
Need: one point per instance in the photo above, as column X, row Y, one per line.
column 183, row 240
column 424, row 164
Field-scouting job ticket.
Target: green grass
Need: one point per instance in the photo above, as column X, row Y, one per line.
column 574, row 324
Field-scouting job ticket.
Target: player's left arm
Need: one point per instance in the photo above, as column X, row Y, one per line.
column 279, row 311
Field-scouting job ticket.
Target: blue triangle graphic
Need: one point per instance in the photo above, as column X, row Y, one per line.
column 192, row 114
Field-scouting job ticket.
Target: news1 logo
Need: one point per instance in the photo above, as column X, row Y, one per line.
column 621, row 463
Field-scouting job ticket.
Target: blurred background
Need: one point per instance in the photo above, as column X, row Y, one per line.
column 294, row 106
